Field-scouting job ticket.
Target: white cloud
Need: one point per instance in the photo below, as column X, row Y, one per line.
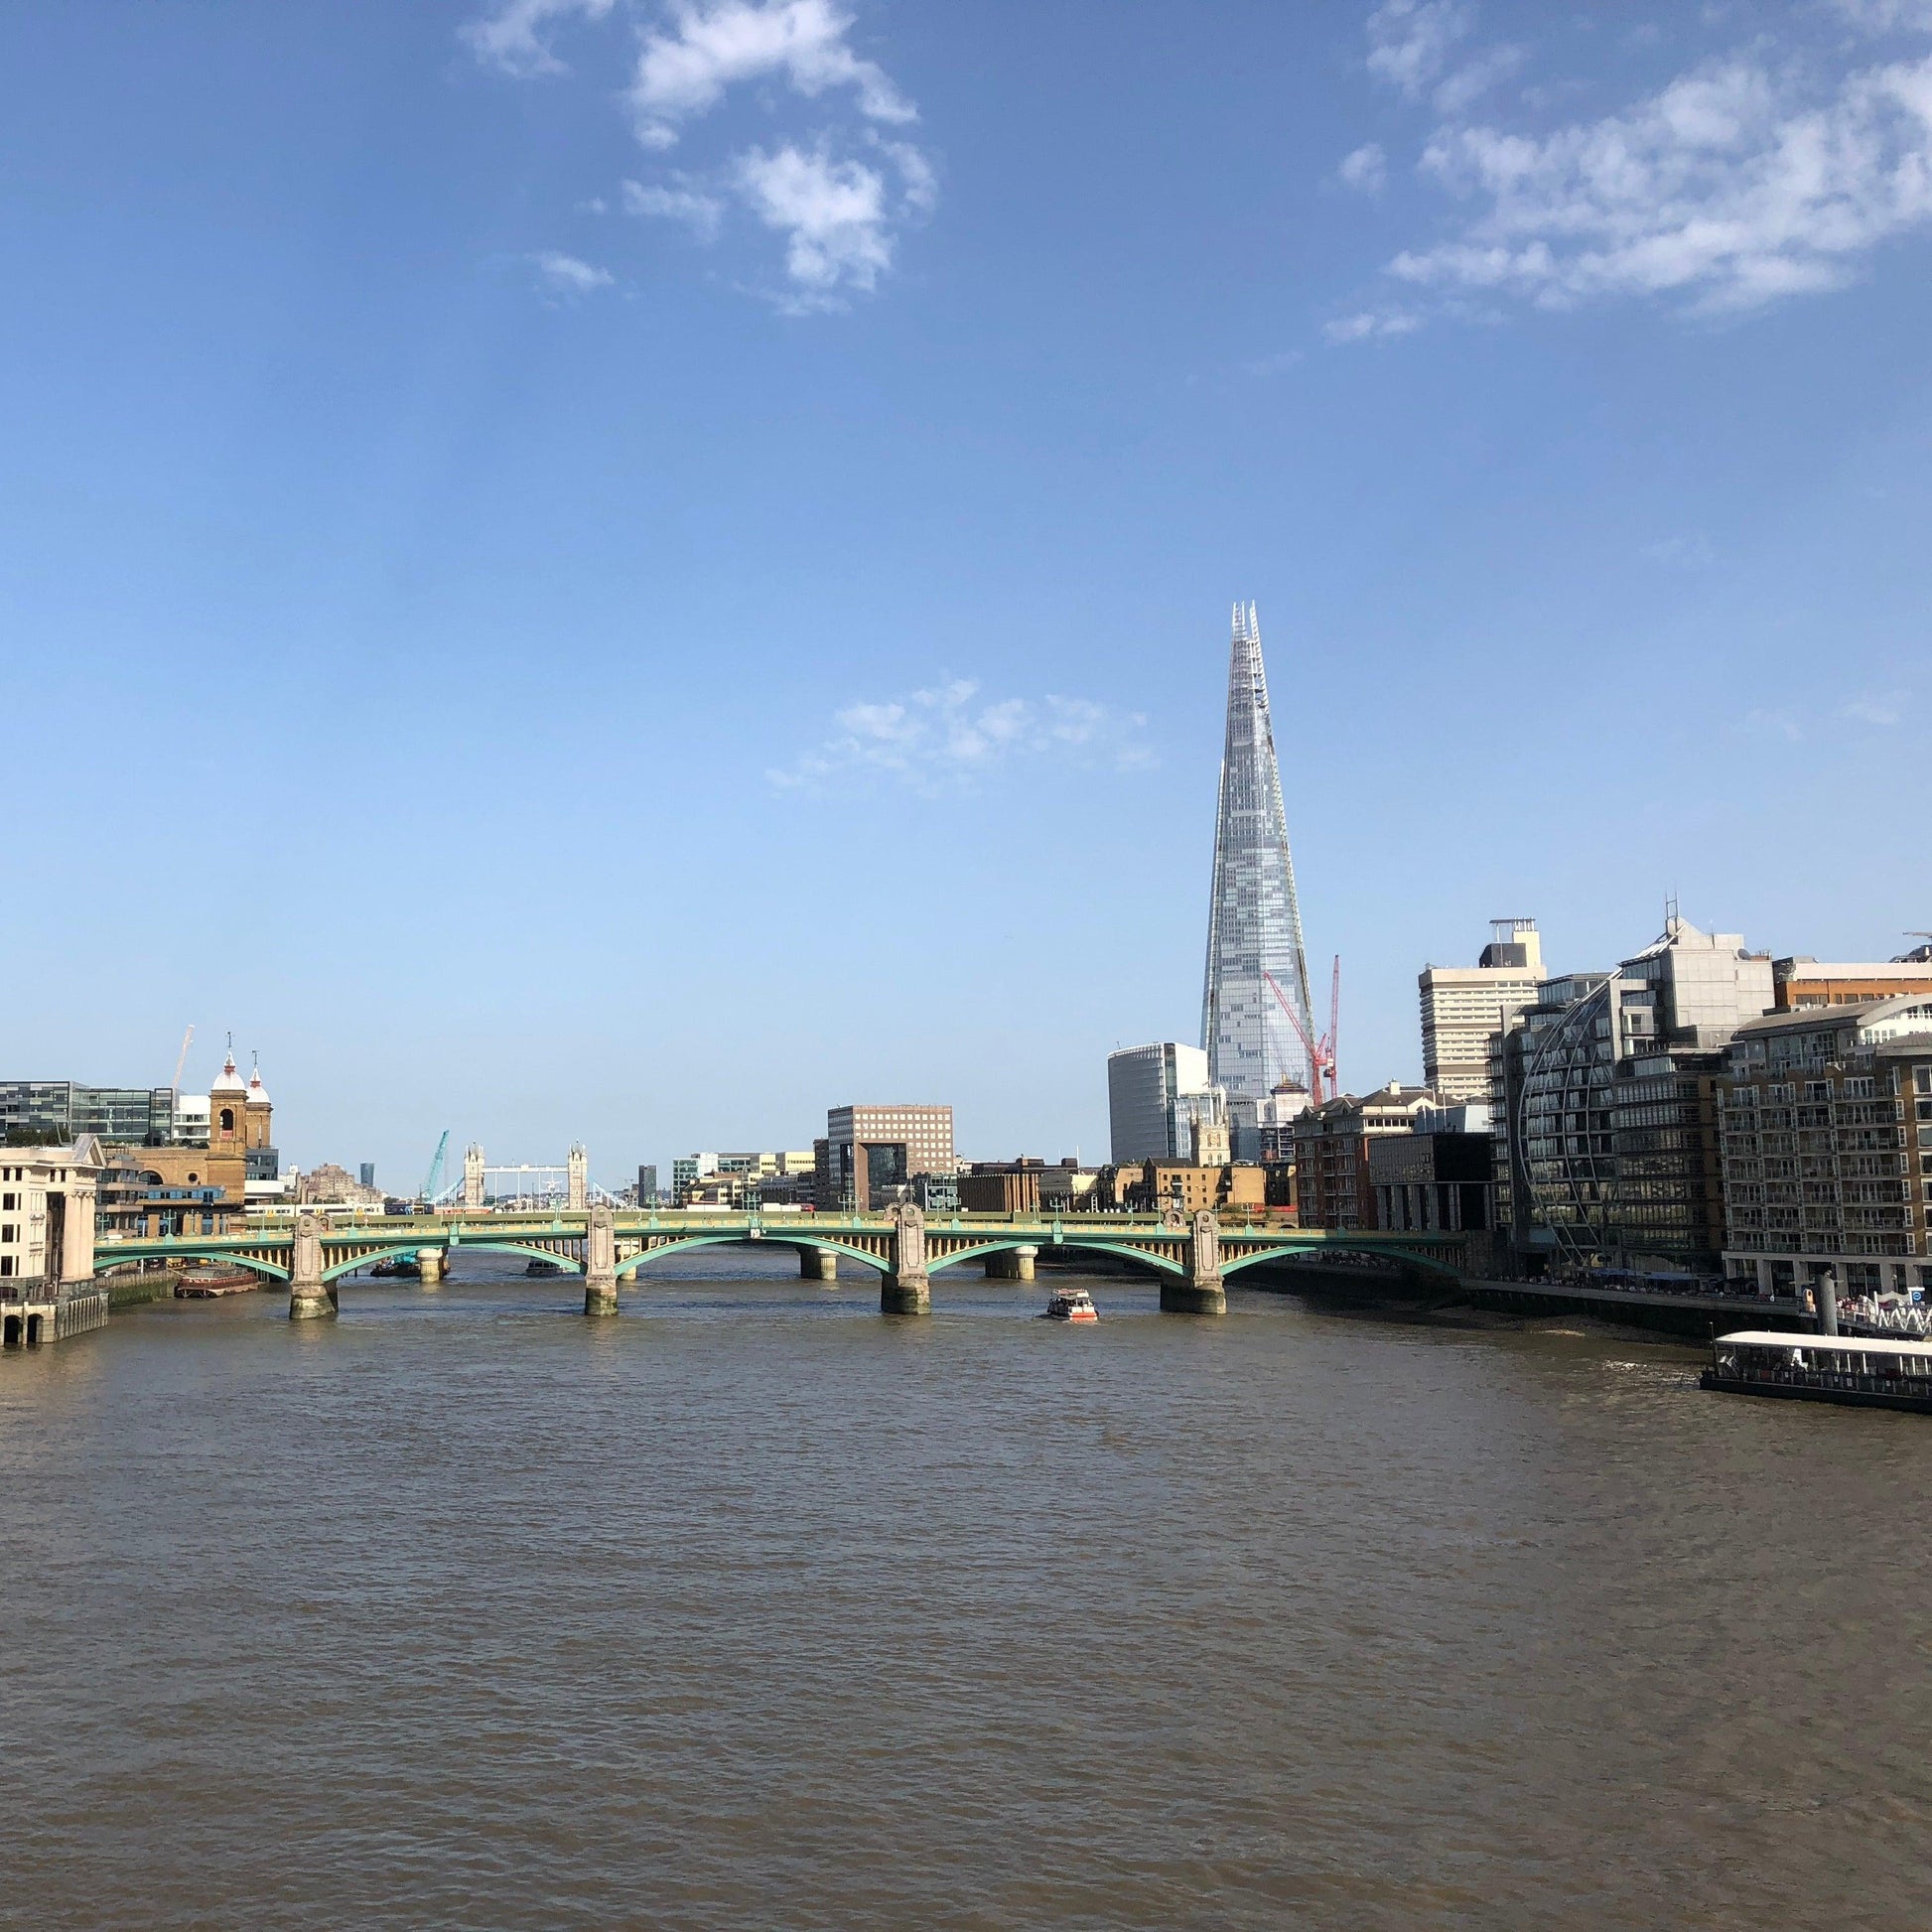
column 1371, row 323
column 832, row 214
column 937, row 740
column 1762, row 722
column 684, row 73
column 1880, row 708
column 1467, row 84
column 1273, row 365
column 1367, row 169
column 698, row 208
column 567, row 275
column 1887, row 16
column 1409, row 42
column 1735, row 184
column 512, row 36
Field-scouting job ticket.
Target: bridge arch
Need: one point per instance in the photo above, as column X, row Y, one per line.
column 1158, row 1263
column 796, row 1243
column 1416, row 1257
column 268, row 1270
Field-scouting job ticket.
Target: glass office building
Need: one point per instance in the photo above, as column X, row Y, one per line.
column 54, row 1112
column 1254, row 928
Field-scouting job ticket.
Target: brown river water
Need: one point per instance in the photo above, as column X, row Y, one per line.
column 751, row 1608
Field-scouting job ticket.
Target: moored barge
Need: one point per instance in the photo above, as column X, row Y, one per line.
column 1863, row 1371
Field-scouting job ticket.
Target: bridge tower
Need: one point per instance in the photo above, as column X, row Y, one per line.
column 473, row 1177
column 577, row 1179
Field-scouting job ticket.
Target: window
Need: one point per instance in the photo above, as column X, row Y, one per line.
column 6, row 1263
column 8, row 1202
column 9, row 1230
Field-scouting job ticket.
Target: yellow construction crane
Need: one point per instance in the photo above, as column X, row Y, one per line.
column 186, row 1040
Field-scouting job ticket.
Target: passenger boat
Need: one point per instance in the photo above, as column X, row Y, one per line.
column 1071, row 1304
column 542, row 1267
column 1863, row 1371
column 205, row 1284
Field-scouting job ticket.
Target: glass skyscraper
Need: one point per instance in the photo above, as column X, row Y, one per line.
column 1254, row 926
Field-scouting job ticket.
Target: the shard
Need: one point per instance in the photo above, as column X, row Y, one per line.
column 1254, row 925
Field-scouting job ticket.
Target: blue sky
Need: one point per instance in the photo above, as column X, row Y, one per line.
column 631, row 571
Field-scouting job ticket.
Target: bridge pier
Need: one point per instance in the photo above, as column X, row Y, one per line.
column 1014, row 1265
column 601, row 1263
column 1202, row 1292
column 817, row 1265
column 908, row 1290
column 433, row 1262
column 310, row 1297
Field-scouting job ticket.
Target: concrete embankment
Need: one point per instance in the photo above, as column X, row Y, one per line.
column 1411, row 1291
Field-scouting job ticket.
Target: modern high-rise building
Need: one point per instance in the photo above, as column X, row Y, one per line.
column 1607, row 1112
column 1462, row 1006
column 870, row 1153
column 1151, row 1092
column 1254, row 926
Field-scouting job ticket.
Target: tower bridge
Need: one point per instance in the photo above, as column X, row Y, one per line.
column 1191, row 1257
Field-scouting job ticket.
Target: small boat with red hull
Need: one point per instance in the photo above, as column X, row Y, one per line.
column 1070, row 1305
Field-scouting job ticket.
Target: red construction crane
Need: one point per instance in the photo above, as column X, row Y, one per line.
column 1320, row 1052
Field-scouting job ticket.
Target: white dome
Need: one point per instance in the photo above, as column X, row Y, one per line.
column 228, row 1081
column 257, row 1093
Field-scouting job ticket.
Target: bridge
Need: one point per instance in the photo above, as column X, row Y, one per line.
column 1192, row 1258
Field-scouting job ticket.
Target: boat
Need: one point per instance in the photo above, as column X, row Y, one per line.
column 207, row 1284
column 542, row 1267
column 1862, row 1371
column 1070, row 1305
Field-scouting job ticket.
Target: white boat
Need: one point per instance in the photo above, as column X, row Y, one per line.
column 1070, row 1305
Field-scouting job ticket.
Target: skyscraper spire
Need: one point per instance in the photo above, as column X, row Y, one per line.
column 1254, row 925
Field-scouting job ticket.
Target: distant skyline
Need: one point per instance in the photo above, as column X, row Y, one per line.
column 588, row 569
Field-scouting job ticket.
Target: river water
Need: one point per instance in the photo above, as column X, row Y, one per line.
column 751, row 1608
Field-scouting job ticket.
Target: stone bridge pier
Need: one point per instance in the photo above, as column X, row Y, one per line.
column 1201, row 1292
column 1015, row 1265
column 908, row 1290
column 817, row 1265
column 310, row 1295
column 601, row 1263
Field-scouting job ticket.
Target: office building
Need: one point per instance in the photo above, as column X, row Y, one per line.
column 1274, row 1118
column 1153, row 1094
column 871, row 1153
column 57, row 1113
column 47, row 1210
column 647, row 1185
column 1333, row 1187
column 728, row 1180
column 1464, row 1006
column 1805, row 982
column 365, row 1173
column 1188, row 1187
column 1604, row 1099
column 1024, row 1187
column 1255, row 953
column 1434, row 1178
column 1824, row 1132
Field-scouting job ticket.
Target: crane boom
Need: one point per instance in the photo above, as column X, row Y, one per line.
column 186, row 1040
column 435, row 1181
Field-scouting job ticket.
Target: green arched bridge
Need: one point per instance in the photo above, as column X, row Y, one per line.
column 1193, row 1256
